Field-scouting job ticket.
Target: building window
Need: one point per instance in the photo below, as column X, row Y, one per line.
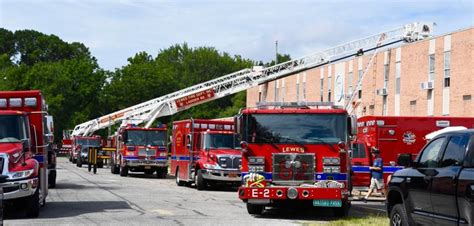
column 384, row 105
column 385, row 75
column 397, row 77
column 447, row 69
column 431, row 64
column 359, row 86
column 321, row 90
column 359, row 94
column 283, row 90
column 304, row 87
column 259, row 96
column 276, row 90
column 329, row 96
column 350, row 82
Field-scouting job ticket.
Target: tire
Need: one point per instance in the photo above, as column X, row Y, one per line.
column 70, row 158
column 33, row 205
column 74, row 161
column 162, row 172
column 178, row 181
column 255, row 209
column 115, row 169
column 100, row 164
column 200, row 182
column 342, row 211
column 399, row 217
column 52, row 179
column 124, row 171
column 79, row 162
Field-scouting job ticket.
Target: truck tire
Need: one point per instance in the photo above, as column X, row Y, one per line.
column 178, row 181
column 342, row 211
column 52, row 179
column 115, row 169
column 162, row 172
column 74, row 161
column 124, row 171
column 399, row 217
column 33, row 205
column 79, row 162
column 70, row 158
column 255, row 209
column 100, row 164
column 200, row 182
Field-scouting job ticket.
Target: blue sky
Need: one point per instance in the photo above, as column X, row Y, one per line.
column 117, row 29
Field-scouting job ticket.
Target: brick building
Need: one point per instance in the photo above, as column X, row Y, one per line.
column 433, row 77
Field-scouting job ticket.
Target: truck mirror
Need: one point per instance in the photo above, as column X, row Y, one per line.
column 353, row 125
column 405, row 160
column 50, row 137
column 25, row 144
column 237, row 124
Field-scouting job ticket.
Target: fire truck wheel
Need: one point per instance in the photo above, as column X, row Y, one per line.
column 161, row 172
column 255, row 209
column 33, row 205
column 79, row 162
column 200, row 182
column 52, row 179
column 74, row 161
column 342, row 211
column 115, row 169
column 70, row 158
column 124, row 171
column 100, row 165
column 178, row 181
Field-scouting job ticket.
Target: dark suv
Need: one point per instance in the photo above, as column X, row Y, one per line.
column 438, row 187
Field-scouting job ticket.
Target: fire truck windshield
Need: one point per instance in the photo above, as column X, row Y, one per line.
column 88, row 142
column 12, row 128
column 145, row 137
column 295, row 128
column 220, row 141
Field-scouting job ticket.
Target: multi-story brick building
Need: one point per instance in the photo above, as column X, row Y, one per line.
column 433, row 77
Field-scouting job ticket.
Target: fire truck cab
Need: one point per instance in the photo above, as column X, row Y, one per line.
column 394, row 136
column 80, row 146
column 140, row 149
column 205, row 152
column 295, row 154
column 25, row 139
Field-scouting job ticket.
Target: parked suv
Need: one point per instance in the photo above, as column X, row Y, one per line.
column 438, row 188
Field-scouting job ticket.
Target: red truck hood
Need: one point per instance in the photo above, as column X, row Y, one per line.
column 10, row 148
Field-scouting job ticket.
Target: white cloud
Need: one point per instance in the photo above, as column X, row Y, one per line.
column 116, row 30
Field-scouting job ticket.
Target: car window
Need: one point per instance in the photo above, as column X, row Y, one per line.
column 455, row 150
column 470, row 155
column 431, row 154
column 358, row 151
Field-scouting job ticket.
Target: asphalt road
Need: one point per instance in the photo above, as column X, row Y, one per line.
column 105, row 199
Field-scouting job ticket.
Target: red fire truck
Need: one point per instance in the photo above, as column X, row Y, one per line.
column 295, row 154
column 204, row 152
column 24, row 143
column 140, row 149
column 81, row 144
column 66, row 145
column 393, row 136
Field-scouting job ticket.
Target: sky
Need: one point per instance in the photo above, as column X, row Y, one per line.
column 115, row 30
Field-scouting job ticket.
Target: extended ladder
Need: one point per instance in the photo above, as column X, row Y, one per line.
column 172, row 103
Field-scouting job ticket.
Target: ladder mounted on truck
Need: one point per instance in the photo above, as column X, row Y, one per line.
column 172, row 103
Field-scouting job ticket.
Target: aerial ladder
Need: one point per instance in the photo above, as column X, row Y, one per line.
column 172, row 103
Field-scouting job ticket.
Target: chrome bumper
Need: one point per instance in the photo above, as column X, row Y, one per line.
column 144, row 162
column 222, row 175
column 19, row 189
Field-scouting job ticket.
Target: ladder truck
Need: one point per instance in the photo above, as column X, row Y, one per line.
column 232, row 83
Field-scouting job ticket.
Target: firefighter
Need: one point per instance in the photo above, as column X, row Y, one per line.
column 376, row 174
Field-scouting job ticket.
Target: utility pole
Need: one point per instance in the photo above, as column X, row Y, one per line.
column 276, row 52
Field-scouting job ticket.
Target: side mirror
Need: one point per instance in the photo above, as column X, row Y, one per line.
column 237, row 124
column 405, row 160
column 353, row 125
column 25, row 144
column 50, row 137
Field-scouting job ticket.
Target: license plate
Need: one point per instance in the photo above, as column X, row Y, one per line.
column 232, row 175
column 147, row 167
column 327, row 203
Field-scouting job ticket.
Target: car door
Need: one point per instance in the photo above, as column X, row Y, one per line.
column 443, row 188
column 465, row 188
column 419, row 180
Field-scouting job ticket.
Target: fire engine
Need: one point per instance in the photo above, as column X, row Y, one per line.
column 140, row 149
column 295, row 154
column 81, row 144
column 393, row 136
column 24, row 142
column 205, row 152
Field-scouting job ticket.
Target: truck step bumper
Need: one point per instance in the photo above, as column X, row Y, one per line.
column 19, row 189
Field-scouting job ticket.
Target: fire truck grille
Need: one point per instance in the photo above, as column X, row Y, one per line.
column 232, row 162
column 293, row 167
column 144, row 152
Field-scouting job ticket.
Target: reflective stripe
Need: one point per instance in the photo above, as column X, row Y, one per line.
column 317, row 176
column 183, row 158
column 39, row 158
column 365, row 169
